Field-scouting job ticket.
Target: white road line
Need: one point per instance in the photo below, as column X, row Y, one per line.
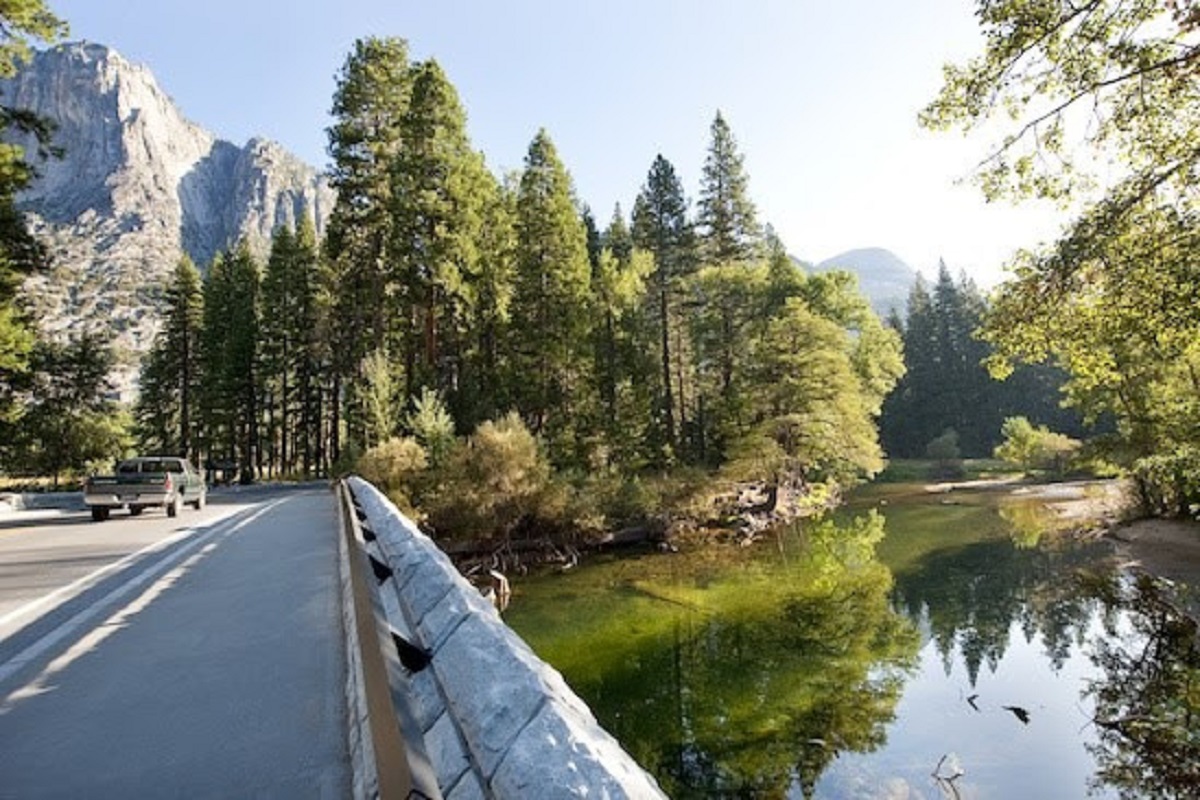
column 33, row 651
column 94, row 577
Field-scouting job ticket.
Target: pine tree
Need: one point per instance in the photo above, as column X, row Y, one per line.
column 314, row 355
column 439, row 197
column 20, row 254
column 661, row 227
column 230, row 352
column 624, row 365
column 551, row 302
column 170, row 381
column 729, row 231
column 280, row 336
column 947, row 386
column 372, row 95
column 487, row 390
column 70, row 419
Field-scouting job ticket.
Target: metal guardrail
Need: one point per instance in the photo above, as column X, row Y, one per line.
column 387, row 748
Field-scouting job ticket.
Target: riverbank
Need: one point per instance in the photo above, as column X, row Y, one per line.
column 1165, row 548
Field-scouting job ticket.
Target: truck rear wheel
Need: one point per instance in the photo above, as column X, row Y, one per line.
column 173, row 507
column 199, row 504
column 99, row 513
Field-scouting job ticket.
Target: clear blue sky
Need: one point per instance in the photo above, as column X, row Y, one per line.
column 822, row 97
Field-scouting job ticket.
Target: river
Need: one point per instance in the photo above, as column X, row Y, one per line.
column 909, row 646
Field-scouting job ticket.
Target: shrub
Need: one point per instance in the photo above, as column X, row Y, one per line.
column 432, row 425
column 1169, row 483
column 395, row 467
column 1030, row 447
column 491, row 482
column 944, row 450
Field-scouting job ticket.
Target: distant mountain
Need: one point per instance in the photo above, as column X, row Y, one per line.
column 882, row 276
column 139, row 185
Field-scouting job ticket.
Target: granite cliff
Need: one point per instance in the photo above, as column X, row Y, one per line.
column 138, row 184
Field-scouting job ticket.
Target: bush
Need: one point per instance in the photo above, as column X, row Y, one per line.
column 1169, row 483
column 432, row 425
column 491, row 482
column 1030, row 447
column 395, row 467
column 944, row 450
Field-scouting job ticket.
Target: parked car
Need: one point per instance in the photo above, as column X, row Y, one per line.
column 146, row 482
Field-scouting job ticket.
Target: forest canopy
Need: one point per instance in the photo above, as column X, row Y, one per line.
column 1101, row 108
column 448, row 308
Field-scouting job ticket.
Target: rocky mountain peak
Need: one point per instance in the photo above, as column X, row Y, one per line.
column 139, row 185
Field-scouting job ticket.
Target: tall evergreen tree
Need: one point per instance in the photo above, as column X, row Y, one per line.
column 20, row 253
column 230, row 351
column 170, row 381
column 729, row 230
column 624, row 364
column 70, row 418
column 281, row 337
column 551, row 302
column 439, row 197
column 661, row 227
column 313, row 356
column 372, row 95
column 487, row 390
column 947, row 385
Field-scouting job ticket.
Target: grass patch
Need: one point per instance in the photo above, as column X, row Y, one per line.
column 911, row 470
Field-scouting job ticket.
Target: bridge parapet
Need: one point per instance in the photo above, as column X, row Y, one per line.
column 497, row 721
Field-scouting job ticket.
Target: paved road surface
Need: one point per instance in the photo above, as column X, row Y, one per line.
column 209, row 665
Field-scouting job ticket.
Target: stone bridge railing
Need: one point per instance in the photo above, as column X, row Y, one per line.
column 486, row 716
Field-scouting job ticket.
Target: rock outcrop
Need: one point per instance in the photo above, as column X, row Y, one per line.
column 137, row 186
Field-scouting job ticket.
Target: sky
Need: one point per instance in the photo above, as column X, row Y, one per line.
column 821, row 96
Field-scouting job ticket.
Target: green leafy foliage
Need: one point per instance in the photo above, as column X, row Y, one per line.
column 231, row 361
column 1101, row 107
column 170, row 387
column 551, row 299
column 20, row 253
column 397, row 467
column 492, row 481
column 947, row 384
column 445, row 300
column 440, row 192
column 661, row 228
column 382, row 398
column 70, row 420
column 431, row 425
column 1030, row 447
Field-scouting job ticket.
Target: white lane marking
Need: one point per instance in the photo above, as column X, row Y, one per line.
column 85, row 615
column 94, row 577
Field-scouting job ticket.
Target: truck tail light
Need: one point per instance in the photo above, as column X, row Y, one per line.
column 167, row 483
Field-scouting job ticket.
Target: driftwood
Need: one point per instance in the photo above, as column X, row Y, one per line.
column 520, row 554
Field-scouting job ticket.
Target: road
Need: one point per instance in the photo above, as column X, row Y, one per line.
column 200, row 656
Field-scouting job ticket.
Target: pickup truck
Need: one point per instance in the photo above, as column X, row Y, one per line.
column 148, row 482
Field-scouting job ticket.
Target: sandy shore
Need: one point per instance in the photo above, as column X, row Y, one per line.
column 1163, row 547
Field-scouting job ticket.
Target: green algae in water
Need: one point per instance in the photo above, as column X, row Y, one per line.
column 836, row 659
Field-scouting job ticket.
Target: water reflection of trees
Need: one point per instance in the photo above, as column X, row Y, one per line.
column 970, row 596
column 761, row 695
column 1147, row 704
column 1147, row 701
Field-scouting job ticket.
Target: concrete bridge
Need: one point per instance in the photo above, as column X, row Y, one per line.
column 282, row 643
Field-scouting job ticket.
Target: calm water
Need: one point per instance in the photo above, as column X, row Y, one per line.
column 870, row 655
